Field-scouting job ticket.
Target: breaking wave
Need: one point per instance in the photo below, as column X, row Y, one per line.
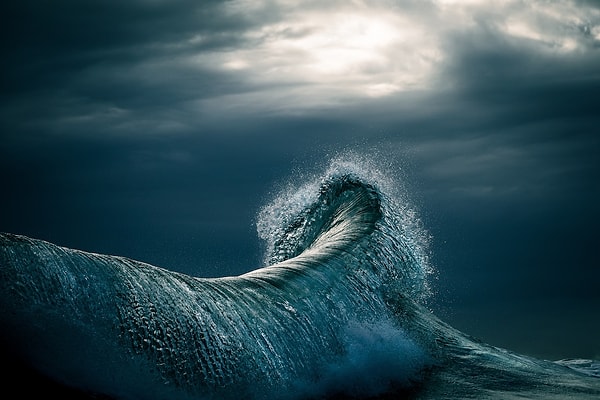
column 336, row 311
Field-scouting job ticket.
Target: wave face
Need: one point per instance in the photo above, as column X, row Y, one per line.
column 337, row 311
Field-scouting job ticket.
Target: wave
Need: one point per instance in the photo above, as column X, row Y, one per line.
column 338, row 310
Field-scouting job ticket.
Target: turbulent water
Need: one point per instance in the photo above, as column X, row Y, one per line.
column 336, row 312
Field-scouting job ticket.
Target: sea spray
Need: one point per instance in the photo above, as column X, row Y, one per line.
column 400, row 243
column 378, row 357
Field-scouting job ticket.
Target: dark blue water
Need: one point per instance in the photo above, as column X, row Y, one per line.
column 337, row 311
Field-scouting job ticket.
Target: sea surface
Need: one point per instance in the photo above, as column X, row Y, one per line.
column 337, row 311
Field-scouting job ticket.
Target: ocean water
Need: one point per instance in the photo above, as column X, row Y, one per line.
column 337, row 311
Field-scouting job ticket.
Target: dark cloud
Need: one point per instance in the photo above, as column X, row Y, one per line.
column 116, row 53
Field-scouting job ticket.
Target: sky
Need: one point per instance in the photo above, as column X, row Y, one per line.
column 157, row 129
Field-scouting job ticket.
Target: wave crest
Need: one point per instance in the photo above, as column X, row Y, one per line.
column 352, row 208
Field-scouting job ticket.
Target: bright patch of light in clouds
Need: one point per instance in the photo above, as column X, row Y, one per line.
column 559, row 26
column 356, row 51
column 345, row 44
column 352, row 52
column 317, row 53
